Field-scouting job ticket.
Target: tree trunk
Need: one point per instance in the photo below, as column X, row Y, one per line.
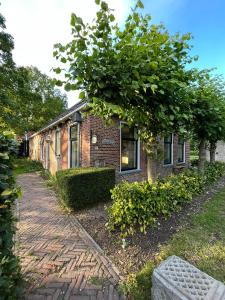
column 202, row 154
column 212, row 150
column 151, row 169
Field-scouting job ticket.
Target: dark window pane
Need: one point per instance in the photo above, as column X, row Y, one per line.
column 129, row 155
column 74, row 146
column 168, row 139
column 74, row 154
column 57, row 143
column 74, row 132
column 168, row 149
column 180, row 155
column 129, row 143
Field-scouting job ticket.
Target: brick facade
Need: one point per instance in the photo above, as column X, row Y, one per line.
column 99, row 146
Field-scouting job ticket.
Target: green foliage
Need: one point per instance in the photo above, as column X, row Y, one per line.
column 82, row 187
column 138, row 72
column 208, row 110
column 137, row 205
column 7, row 73
column 202, row 243
column 25, row 165
column 34, row 99
column 10, row 278
column 28, row 98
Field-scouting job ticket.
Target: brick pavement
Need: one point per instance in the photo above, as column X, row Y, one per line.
column 59, row 259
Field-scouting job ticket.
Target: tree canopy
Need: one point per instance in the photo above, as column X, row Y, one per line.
column 35, row 101
column 28, row 98
column 7, row 68
column 143, row 74
column 138, row 72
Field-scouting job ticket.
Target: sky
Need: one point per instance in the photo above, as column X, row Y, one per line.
column 37, row 25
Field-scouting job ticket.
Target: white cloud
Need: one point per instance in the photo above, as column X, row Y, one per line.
column 37, row 25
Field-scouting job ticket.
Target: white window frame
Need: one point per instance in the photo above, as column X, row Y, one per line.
column 171, row 164
column 184, row 149
column 42, row 150
column 58, row 131
column 138, row 153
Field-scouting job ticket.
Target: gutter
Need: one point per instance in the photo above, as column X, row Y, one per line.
column 58, row 121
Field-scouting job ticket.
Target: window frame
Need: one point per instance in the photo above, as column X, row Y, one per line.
column 137, row 152
column 58, row 131
column 70, row 145
column 184, row 154
column 42, row 150
column 171, row 162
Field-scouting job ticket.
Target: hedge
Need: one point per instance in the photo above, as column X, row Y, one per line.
column 10, row 276
column 82, row 187
column 137, row 205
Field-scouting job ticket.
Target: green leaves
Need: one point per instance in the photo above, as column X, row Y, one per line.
column 82, row 95
column 140, row 4
column 73, row 19
column 10, row 277
column 136, row 206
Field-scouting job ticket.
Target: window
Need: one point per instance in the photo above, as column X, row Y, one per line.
column 129, row 148
column 42, row 150
column 181, row 150
column 57, row 143
column 74, row 145
column 168, row 149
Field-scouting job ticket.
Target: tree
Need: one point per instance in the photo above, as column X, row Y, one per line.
column 7, row 68
column 138, row 72
column 208, row 111
column 35, row 101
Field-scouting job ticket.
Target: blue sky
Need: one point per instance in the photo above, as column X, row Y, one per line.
column 205, row 19
column 37, row 25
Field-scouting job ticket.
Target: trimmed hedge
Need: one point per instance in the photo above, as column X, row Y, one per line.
column 82, row 187
column 137, row 205
column 10, row 276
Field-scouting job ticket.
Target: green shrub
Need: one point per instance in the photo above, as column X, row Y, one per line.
column 82, row 187
column 10, row 277
column 26, row 165
column 137, row 205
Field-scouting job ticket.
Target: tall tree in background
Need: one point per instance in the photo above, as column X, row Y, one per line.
column 28, row 98
column 35, row 100
column 7, row 74
column 208, row 111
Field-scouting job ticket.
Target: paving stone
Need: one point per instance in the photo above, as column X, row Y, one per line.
column 57, row 255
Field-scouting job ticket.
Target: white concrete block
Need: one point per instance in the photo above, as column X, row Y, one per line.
column 176, row 279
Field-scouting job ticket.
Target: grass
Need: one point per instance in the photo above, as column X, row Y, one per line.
column 25, row 165
column 202, row 244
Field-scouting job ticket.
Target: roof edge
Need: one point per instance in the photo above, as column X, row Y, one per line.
column 82, row 104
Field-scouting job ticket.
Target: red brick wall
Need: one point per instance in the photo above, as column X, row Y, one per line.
column 106, row 152
column 157, row 168
column 85, row 142
column 64, row 146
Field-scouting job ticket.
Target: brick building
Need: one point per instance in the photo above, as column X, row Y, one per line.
column 73, row 140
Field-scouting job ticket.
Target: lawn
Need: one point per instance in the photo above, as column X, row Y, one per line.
column 202, row 243
column 25, row 165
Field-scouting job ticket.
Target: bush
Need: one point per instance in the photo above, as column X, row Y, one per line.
column 26, row 165
column 137, row 205
column 10, row 278
column 82, row 187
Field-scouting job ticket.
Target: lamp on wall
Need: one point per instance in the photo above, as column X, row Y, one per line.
column 48, row 138
column 94, row 138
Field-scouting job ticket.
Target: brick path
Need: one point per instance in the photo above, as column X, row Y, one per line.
column 59, row 259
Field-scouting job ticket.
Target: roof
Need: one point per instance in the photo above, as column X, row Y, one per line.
column 62, row 117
